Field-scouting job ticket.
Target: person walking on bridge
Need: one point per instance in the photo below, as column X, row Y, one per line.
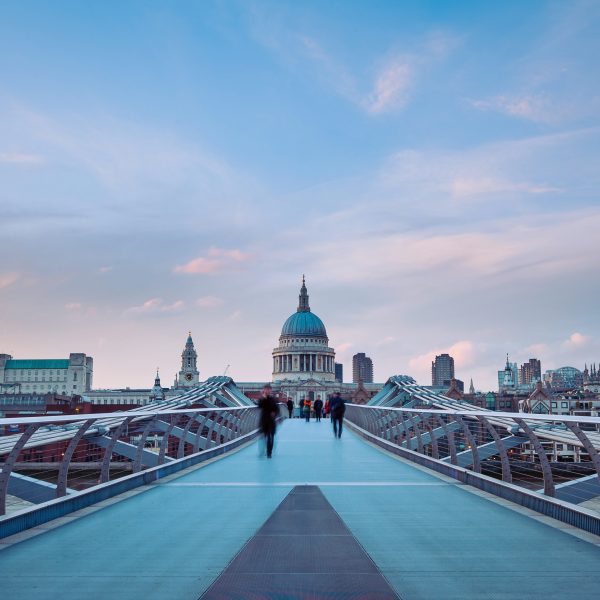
column 268, row 415
column 318, row 408
column 306, row 408
column 338, row 408
column 290, row 407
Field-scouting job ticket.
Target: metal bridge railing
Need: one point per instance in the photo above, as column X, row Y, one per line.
column 556, row 455
column 47, row 457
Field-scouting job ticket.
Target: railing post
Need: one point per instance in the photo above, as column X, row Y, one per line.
column 472, row 443
column 105, row 471
column 585, row 442
column 199, row 438
column 164, row 444
column 435, row 452
column 9, row 463
column 504, row 459
column 63, row 472
column 415, row 428
column 182, row 442
column 549, row 489
column 450, row 437
column 137, row 462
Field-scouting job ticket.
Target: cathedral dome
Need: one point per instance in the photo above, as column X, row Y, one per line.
column 303, row 353
column 303, row 324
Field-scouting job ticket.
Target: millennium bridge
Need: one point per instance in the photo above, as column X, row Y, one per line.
column 423, row 497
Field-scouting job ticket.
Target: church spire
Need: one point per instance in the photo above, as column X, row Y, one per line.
column 188, row 375
column 303, row 305
column 471, row 387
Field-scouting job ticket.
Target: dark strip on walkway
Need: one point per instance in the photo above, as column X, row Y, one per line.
column 303, row 551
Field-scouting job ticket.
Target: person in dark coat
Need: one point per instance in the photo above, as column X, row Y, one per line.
column 318, row 406
column 290, row 407
column 337, row 407
column 268, row 415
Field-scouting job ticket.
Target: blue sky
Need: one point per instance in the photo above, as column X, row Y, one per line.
column 432, row 167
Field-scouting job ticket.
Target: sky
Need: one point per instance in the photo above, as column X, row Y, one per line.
column 432, row 167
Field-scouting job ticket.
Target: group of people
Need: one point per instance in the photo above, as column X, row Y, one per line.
column 269, row 410
column 306, row 407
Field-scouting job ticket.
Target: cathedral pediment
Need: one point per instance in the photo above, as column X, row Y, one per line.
column 311, row 383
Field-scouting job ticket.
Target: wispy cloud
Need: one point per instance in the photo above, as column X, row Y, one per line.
column 234, row 317
column 105, row 269
column 17, row 158
column 500, row 251
column 155, row 306
column 8, row 279
column 381, row 89
column 530, row 107
column 463, row 187
column 208, row 302
column 216, row 260
column 392, row 86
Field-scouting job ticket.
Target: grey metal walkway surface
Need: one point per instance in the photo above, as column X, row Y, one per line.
column 430, row 538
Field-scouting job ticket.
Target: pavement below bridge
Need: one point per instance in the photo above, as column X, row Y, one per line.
column 428, row 537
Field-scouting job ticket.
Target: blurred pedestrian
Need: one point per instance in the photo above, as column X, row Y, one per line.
column 290, row 407
column 318, row 408
column 268, row 415
column 338, row 408
column 306, row 408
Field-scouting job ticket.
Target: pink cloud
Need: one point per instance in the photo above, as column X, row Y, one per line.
column 216, row 259
column 464, row 187
column 16, row 158
column 73, row 306
column 208, row 302
column 576, row 340
column 462, row 351
column 155, row 306
column 8, row 279
column 537, row 349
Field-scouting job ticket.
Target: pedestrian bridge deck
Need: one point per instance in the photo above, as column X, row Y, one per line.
column 430, row 537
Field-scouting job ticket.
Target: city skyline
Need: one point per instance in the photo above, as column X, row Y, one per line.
column 432, row 169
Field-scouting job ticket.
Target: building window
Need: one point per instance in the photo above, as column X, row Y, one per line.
column 564, row 404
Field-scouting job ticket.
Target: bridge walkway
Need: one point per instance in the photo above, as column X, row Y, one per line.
column 431, row 538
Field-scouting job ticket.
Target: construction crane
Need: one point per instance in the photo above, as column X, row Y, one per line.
column 226, row 369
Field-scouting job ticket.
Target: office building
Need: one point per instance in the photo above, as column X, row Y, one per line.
column 442, row 370
column 362, row 368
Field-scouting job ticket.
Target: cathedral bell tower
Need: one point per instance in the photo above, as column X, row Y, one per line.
column 188, row 375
